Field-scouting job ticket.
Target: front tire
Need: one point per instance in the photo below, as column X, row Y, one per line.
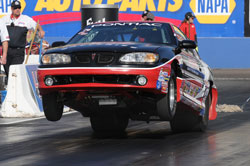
column 166, row 106
column 52, row 106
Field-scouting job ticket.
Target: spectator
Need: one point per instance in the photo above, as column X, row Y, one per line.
column 147, row 16
column 4, row 36
column 188, row 27
column 18, row 26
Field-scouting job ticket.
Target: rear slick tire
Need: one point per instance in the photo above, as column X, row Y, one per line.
column 111, row 122
column 188, row 120
column 203, row 120
column 52, row 107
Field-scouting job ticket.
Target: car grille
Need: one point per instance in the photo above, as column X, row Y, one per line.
column 107, row 79
column 95, row 58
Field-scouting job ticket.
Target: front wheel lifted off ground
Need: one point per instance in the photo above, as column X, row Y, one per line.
column 52, row 106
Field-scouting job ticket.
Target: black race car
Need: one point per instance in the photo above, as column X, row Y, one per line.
column 116, row 71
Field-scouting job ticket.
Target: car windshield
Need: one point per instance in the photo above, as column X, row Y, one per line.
column 125, row 32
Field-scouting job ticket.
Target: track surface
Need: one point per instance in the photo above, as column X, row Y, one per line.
column 71, row 142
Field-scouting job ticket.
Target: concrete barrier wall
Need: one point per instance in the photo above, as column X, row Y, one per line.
column 216, row 52
column 225, row 52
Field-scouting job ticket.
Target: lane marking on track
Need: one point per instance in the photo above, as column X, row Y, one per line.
column 31, row 119
column 232, row 79
column 244, row 104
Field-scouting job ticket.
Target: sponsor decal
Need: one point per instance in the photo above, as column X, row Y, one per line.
column 158, row 85
column 202, row 112
column 190, row 89
column 90, row 21
column 212, row 11
column 161, row 78
column 162, row 82
column 194, row 104
column 164, row 72
column 164, row 87
column 197, row 91
column 127, row 23
column 166, row 79
column 21, row 23
column 196, row 72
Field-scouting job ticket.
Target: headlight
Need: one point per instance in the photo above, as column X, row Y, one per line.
column 53, row 59
column 139, row 58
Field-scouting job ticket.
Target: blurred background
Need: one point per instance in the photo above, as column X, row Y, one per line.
column 223, row 26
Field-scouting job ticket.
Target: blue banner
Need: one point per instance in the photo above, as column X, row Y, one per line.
column 62, row 18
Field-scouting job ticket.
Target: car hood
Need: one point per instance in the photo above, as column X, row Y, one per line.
column 121, row 47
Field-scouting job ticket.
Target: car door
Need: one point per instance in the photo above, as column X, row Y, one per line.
column 193, row 86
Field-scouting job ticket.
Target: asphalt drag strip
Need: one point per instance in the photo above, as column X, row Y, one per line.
column 10, row 121
column 71, row 141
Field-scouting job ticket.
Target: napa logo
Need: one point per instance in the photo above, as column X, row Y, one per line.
column 5, row 6
column 212, row 11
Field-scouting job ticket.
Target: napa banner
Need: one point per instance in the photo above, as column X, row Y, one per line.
column 62, row 18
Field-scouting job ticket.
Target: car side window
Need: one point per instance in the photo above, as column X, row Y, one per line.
column 167, row 34
column 180, row 36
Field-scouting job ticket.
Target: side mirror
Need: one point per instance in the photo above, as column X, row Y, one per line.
column 187, row 44
column 58, row 43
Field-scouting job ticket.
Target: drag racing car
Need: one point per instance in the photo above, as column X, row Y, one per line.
column 114, row 72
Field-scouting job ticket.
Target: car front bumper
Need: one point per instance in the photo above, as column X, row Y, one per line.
column 76, row 79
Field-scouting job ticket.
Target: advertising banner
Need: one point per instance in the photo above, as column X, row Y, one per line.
column 62, row 18
column 98, row 13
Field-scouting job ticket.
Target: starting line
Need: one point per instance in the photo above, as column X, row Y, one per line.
column 12, row 121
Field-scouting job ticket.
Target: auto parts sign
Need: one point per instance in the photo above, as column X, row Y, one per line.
column 215, row 18
column 212, row 11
